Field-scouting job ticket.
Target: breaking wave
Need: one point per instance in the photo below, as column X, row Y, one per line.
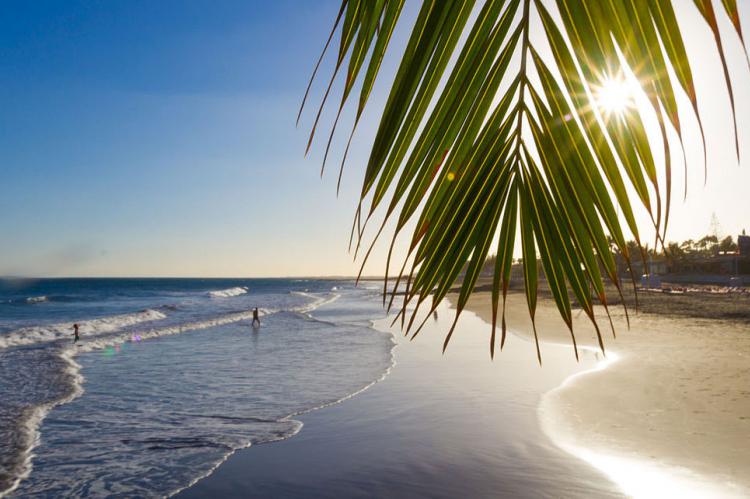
column 62, row 372
column 93, row 327
column 44, row 358
column 317, row 301
column 144, row 334
column 227, row 293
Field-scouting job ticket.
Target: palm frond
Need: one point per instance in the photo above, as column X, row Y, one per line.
column 483, row 141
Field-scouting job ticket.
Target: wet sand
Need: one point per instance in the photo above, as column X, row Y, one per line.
column 675, row 402
column 457, row 425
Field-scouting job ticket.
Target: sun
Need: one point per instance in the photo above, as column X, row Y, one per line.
column 614, row 96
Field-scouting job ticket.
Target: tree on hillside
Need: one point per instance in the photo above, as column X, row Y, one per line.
column 493, row 131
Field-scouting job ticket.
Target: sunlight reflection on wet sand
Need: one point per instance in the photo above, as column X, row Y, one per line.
column 640, row 478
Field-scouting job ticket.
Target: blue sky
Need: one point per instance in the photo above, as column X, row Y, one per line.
column 157, row 138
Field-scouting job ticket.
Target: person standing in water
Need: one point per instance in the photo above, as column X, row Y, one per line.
column 256, row 318
column 76, row 337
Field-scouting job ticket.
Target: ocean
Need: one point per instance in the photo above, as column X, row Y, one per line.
column 169, row 377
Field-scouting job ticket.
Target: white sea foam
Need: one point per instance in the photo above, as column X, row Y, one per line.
column 140, row 335
column 227, row 293
column 26, row 336
column 94, row 327
column 36, row 416
column 379, row 326
column 317, row 301
column 96, row 338
column 144, row 334
column 36, row 299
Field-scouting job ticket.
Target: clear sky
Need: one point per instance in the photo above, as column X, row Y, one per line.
column 146, row 138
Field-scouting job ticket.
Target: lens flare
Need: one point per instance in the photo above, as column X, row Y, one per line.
column 614, row 96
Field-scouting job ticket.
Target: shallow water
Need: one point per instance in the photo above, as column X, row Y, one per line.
column 146, row 407
column 439, row 426
column 170, row 381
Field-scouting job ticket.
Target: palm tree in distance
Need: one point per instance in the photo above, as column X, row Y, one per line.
column 516, row 119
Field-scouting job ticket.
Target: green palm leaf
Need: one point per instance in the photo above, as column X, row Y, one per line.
column 483, row 141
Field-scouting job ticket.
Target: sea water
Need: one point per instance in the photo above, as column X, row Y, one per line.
column 169, row 377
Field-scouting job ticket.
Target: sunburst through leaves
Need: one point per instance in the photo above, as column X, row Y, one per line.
column 478, row 149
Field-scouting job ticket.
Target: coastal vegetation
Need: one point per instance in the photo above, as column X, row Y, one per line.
column 519, row 126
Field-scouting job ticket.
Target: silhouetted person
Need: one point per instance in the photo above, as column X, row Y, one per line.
column 76, row 337
column 256, row 318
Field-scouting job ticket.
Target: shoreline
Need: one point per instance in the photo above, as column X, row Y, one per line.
column 631, row 415
column 434, row 426
column 290, row 417
column 33, row 423
column 37, row 414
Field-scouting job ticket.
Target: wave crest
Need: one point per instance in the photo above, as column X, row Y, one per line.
column 226, row 293
column 94, row 327
column 317, row 301
column 106, row 332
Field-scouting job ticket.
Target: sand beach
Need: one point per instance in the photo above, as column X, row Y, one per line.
column 676, row 401
column 665, row 412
